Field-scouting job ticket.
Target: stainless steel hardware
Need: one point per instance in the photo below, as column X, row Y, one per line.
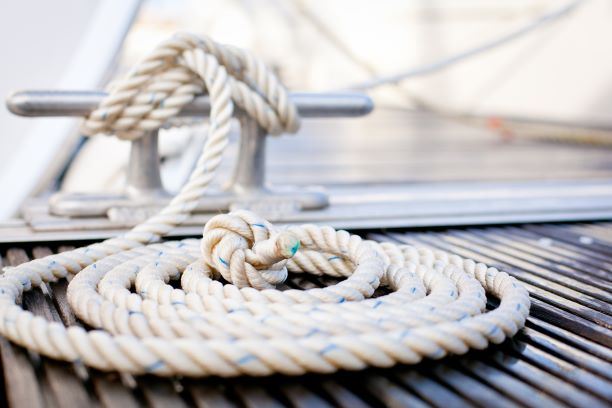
column 144, row 188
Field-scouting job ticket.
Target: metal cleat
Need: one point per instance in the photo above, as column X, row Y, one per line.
column 144, row 193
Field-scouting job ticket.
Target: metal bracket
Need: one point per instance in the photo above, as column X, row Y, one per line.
column 144, row 189
column 248, row 189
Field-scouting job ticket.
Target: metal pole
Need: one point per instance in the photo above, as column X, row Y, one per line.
column 81, row 103
column 250, row 172
column 143, row 173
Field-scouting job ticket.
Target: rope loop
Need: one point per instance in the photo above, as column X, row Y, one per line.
column 181, row 68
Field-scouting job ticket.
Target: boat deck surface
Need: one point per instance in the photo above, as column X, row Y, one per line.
column 391, row 147
column 562, row 358
column 400, row 169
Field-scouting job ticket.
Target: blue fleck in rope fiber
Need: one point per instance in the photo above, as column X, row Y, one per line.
column 142, row 324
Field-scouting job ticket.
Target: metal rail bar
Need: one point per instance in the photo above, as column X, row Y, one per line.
column 80, row 103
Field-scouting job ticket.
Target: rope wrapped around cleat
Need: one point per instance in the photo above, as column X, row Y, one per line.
column 140, row 323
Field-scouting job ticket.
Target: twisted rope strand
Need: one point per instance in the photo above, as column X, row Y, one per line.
column 142, row 324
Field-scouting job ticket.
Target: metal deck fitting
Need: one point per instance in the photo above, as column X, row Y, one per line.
column 247, row 188
column 387, row 169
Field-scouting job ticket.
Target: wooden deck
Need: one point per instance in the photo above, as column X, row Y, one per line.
column 562, row 358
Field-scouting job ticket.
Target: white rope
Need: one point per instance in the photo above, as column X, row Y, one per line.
column 142, row 324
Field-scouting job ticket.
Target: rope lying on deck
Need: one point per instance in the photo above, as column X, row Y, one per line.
column 436, row 305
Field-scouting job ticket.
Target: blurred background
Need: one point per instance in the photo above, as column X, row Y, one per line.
column 504, row 90
column 560, row 70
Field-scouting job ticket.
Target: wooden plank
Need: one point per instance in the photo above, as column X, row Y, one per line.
column 111, row 392
column 547, row 305
column 160, row 393
column 503, row 382
column 342, row 396
column 253, row 395
column 108, row 387
column 301, row 397
column 20, row 380
column 548, row 265
column 580, row 254
column 469, row 387
column 595, row 385
column 66, row 387
column 569, row 321
column 391, row 394
column 601, row 231
column 429, row 390
column 561, row 390
column 569, row 354
column 571, row 237
column 209, row 394
column 569, row 292
column 572, row 339
column 554, row 252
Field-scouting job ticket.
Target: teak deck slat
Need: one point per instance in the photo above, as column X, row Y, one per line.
column 562, row 358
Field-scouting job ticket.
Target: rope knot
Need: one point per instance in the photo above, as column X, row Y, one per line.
column 177, row 71
column 247, row 250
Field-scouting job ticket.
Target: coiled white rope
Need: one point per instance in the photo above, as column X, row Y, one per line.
column 142, row 324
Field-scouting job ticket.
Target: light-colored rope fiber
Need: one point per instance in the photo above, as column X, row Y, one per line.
column 142, row 324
